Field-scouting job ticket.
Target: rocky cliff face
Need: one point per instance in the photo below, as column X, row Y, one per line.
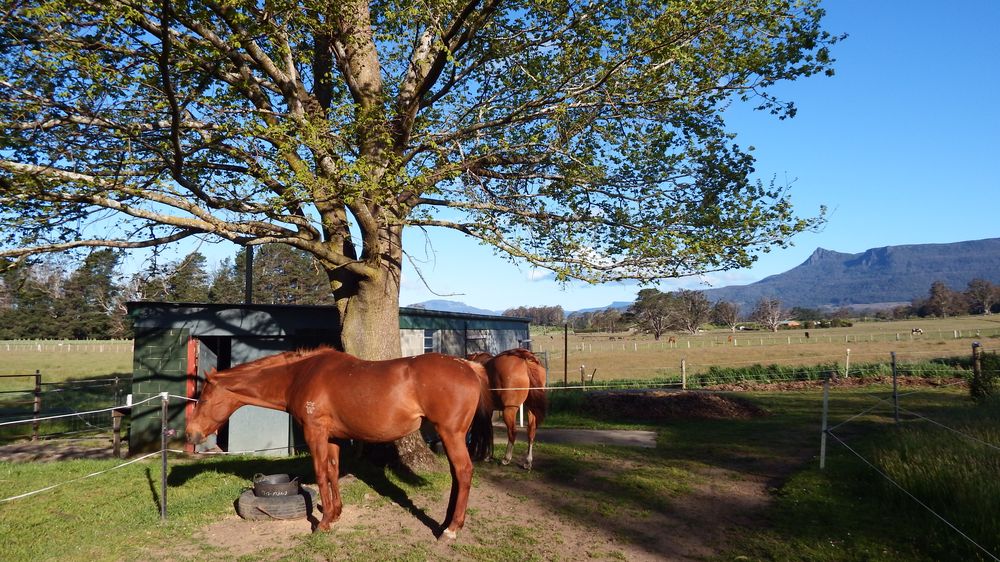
column 889, row 274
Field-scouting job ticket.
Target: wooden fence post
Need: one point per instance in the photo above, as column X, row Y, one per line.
column 37, row 407
column 684, row 374
column 116, row 430
column 895, row 389
column 826, row 409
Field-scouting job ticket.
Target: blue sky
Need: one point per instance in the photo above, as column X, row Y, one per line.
column 901, row 145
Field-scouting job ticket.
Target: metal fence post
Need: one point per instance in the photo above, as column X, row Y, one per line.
column 164, row 402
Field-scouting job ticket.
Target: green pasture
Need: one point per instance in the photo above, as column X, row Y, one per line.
column 845, row 512
column 58, row 361
column 601, row 357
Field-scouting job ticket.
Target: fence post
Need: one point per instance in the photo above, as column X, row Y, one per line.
column 566, row 354
column 895, row 389
column 847, row 364
column 37, row 407
column 822, row 435
column 164, row 402
column 116, row 429
column 684, row 374
column 977, row 361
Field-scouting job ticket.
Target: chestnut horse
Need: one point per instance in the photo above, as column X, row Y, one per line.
column 516, row 377
column 334, row 395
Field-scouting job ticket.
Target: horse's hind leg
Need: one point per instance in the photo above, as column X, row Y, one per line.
column 510, row 420
column 532, row 428
column 461, row 481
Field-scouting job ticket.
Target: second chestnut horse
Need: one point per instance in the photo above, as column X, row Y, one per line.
column 516, row 377
column 334, row 395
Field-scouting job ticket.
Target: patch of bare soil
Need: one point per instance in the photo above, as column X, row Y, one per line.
column 659, row 405
column 56, row 450
column 564, row 524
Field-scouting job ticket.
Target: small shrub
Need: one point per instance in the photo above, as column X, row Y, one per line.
column 984, row 384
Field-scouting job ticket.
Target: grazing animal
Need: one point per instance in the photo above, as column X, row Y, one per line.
column 334, row 395
column 916, row 331
column 516, row 377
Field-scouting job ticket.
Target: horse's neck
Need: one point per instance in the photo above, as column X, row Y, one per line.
column 260, row 387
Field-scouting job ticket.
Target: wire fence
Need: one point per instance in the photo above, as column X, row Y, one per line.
column 72, row 402
column 64, row 407
column 907, row 416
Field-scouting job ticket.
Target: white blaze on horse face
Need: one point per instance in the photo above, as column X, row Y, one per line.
column 310, row 407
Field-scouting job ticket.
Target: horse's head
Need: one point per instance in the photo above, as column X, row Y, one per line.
column 215, row 405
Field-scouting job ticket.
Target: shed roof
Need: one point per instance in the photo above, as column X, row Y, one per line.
column 281, row 319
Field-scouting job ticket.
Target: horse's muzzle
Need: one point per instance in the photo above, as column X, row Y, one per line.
column 194, row 437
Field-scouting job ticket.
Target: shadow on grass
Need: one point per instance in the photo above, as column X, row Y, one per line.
column 374, row 476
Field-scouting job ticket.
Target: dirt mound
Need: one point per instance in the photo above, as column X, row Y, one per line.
column 659, row 405
column 907, row 381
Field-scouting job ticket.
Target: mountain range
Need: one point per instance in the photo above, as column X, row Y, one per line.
column 875, row 277
column 878, row 277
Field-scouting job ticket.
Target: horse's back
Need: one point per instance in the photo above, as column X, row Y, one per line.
column 383, row 400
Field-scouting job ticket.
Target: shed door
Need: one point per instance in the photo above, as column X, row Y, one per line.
column 252, row 428
column 207, row 360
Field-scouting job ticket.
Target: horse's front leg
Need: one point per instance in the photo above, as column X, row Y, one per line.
column 328, row 492
column 333, row 473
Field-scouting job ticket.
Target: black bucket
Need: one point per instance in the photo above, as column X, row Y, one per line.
column 273, row 485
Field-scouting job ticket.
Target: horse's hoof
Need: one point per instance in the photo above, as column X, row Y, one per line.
column 526, row 466
column 448, row 535
column 505, row 462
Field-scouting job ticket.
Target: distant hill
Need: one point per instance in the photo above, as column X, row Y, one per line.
column 452, row 306
column 892, row 274
column 620, row 305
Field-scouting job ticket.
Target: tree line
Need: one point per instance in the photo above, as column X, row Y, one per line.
column 49, row 300
column 656, row 312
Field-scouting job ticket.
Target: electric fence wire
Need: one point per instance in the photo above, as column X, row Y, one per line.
column 914, row 498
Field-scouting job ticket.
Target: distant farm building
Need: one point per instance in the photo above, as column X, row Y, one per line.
column 177, row 344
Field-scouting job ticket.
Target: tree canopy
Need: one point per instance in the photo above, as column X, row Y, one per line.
column 584, row 137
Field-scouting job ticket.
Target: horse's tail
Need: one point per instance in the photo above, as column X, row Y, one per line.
column 536, row 402
column 481, row 434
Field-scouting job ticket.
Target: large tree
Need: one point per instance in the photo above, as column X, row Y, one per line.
column 769, row 312
column 583, row 137
column 587, row 138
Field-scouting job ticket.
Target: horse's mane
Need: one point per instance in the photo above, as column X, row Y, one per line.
column 283, row 358
column 523, row 354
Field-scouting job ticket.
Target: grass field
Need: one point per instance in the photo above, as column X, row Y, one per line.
column 58, row 361
column 846, row 512
column 640, row 357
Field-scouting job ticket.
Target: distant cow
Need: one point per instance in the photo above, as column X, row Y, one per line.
column 916, row 331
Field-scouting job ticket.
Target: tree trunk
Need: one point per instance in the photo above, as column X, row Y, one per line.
column 369, row 324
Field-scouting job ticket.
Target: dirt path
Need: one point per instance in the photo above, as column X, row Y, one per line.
column 698, row 524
